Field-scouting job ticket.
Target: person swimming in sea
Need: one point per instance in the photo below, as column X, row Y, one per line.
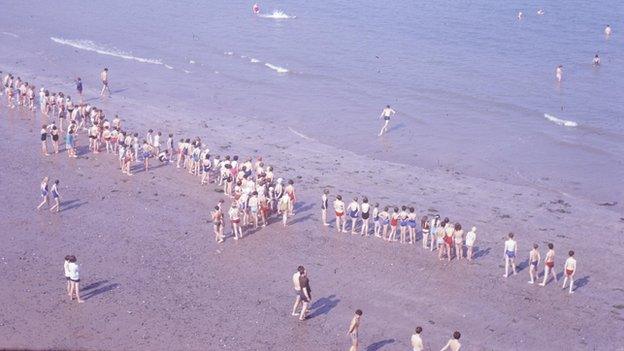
column 255, row 8
column 596, row 61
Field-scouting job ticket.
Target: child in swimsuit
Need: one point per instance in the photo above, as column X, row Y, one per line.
column 403, row 223
column 339, row 208
column 424, row 227
column 44, row 192
column 365, row 208
column 56, row 196
column 376, row 220
column 411, row 223
column 354, row 210
column 534, row 259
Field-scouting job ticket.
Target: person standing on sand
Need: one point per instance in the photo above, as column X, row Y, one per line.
column 74, row 279
column 305, row 293
column 448, row 237
column 376, row 220
column 295, row 280
column 324, row 205
column 471, row 237
column 234, row 214
column 453, row 344
column 339, row 210
column 67, row 274
column 568, row 271
column 354, row 212
column 549, row 264
column 354, row 328
column 56, row 196
column 424, row 229
column 79, row 88
column 365, row 210
column 44, row 192
column 44, row 140
column 416, row 340
column 284, row 207
column 386, row 113
column 511, row 250
column 104, row 79
column 217, row 224
column 534, row 260
column 458, row 239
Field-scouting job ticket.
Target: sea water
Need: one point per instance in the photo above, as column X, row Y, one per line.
column 474, row 87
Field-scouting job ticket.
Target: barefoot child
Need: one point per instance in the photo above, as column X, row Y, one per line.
column 534, row 260
column 74, row 278
column 217, row 223
column 453, row 344
column 354, row 329
column 424, row 227
column 511, row 249
column 44, row 192
column 376, row 220
column 56, row 196
column 568, row 271
column 471, row 237
column 44, row 140
column 339, row 210
column 458, row 239
column 66, row 269
column 354, row 211
column 324, row 205
column 549, row 264
column 365, row 209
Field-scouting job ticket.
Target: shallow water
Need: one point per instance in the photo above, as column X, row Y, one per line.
column 470, row 82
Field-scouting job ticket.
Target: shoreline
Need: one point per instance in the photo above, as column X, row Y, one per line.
column 89, row 226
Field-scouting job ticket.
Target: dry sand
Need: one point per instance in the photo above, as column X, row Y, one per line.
column 154, row 279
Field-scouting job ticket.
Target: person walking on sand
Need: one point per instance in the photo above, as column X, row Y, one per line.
column 234, row 214
column 534, row 260
column 74, row 278
column 386, row 113
column 324, row 205
column 453, row 344
column 416, row 340
column 56, row 196
column 104, row 79
column 511, row 250
column 354, row 328
column 295, row 280
column 44, row 193
column 305, row 294
column 568, row 271
column 549, row 264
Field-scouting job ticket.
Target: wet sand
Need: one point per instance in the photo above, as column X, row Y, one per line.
column 154, row 279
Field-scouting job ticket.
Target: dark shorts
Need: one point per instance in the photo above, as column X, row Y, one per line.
column 303, row 297
column 75, row 281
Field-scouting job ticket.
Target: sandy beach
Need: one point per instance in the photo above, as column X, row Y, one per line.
column 154, row 279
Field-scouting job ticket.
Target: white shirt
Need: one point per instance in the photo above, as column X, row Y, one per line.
column 295, row 279
column 157, row 140
column 510, row 245
column 417, row 343
column 66, row 268
column 73, row 271
column 470, row 238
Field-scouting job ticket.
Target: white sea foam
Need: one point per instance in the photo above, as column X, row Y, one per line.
column 561, row 122
column 300, row 134
column 11, row 34
column 277, row 14
column 185, row 71
column 191, row 62
column 169, row 67
column 89, row 45
column 228, row 53
column 253, row 60
column 277, row 69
